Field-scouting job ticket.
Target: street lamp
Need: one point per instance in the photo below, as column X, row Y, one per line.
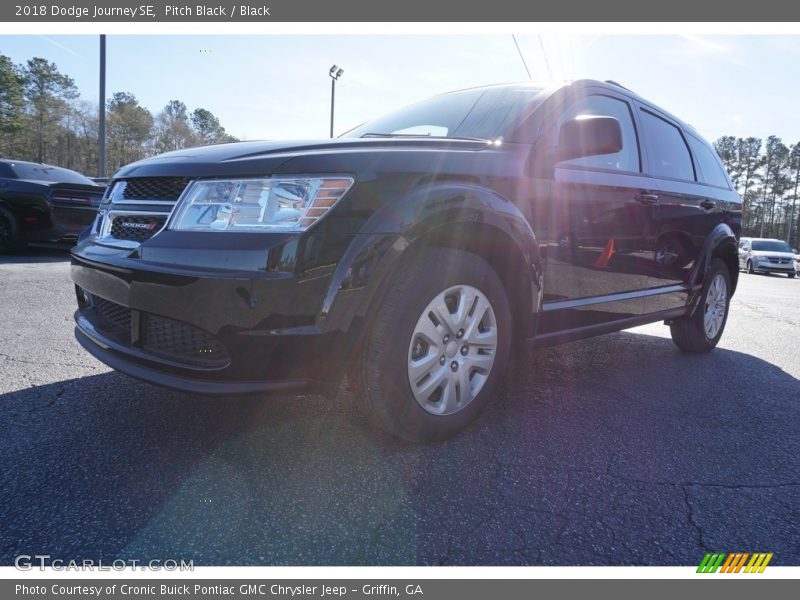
column 101, row 124
column 334, row 74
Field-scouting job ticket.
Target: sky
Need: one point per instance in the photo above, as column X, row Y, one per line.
column 277, row 86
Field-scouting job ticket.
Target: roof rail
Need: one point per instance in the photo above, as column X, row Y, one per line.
column 612, row 82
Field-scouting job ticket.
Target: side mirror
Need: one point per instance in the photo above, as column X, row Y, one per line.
column 588, row 135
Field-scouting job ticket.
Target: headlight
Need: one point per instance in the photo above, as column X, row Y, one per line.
column 269, row 204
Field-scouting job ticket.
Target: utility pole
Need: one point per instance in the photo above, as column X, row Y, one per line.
column 101, row 129
column 334, row 73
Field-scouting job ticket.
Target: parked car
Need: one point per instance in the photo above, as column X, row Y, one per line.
column 414, row 253
column 766, row 255
column 42, row 203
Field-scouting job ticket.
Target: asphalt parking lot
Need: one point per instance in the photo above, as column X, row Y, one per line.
column 618, row 450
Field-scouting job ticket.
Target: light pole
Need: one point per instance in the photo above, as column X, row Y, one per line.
column 334, row 74
column 101, row 128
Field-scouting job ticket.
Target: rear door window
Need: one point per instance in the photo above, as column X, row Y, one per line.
column 667, row 153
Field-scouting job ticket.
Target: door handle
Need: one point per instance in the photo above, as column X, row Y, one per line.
column 646, row 198
column 708, row 204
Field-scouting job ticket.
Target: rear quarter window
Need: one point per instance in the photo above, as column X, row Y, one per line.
column 711, row 171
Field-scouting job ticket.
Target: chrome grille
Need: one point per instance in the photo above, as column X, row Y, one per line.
column 166, row 189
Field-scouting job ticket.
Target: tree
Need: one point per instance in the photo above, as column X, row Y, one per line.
column 726, row 147
column 749, row 161
column 173, row 128
column 776, row 156
column 47, row 92
column 794, row 167
column 743, row 161
column 129, row 128
column 12, row 105
column 206, row 125
column 208, row 128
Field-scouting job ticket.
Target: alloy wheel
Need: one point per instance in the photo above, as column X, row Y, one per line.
column 715, row 306
column 452, row 350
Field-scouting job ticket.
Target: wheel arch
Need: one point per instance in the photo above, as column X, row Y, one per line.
column 519, row 274
column 459, row 215
column 720, row 243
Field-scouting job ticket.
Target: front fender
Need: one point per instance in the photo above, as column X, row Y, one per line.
column 460, row 214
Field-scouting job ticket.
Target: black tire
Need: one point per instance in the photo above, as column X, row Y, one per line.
column 791, row 275
column 381, row 381
column 689, row 332
column 11, row 241
column 750, row 269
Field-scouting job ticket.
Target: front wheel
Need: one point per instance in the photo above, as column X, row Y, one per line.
column 700, row 332
column 750, row 268
column 438, row 346
column 10, row 238
column 791, row 275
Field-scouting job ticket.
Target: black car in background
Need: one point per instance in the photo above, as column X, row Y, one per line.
column 43, row 203
column 415, row 254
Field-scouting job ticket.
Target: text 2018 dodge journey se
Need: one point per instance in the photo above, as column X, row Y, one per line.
column 412, row 252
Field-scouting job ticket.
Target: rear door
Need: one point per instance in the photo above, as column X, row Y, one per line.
column 693, row 193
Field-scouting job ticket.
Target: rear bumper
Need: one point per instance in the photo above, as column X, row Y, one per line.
column 65, row 224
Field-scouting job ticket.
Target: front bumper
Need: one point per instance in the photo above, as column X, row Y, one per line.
column 213, row 331
column 773, row 268
column 120, row 359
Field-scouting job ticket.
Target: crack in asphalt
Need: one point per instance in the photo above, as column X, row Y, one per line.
column 773, row 316
column 690, row 518
column 730, row 486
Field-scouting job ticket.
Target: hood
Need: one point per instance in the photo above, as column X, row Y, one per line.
column 264, row 157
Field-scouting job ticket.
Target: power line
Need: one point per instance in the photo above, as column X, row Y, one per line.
column 560, row 59
column 572, row 56
column 513, row 37
column 544, row 53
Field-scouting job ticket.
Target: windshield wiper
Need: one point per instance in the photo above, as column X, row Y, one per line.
column 423, row 135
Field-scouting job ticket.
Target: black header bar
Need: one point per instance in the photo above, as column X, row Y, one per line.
column 397, row 11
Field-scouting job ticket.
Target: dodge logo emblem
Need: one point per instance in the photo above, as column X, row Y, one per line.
column 134, row 225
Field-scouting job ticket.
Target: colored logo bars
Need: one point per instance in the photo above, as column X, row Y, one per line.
column 735, row 562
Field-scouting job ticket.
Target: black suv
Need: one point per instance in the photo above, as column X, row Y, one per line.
column 412, row 252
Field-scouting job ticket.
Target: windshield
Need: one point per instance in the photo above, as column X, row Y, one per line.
column 481, row 113
column 771, row 246
column 38, row 172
